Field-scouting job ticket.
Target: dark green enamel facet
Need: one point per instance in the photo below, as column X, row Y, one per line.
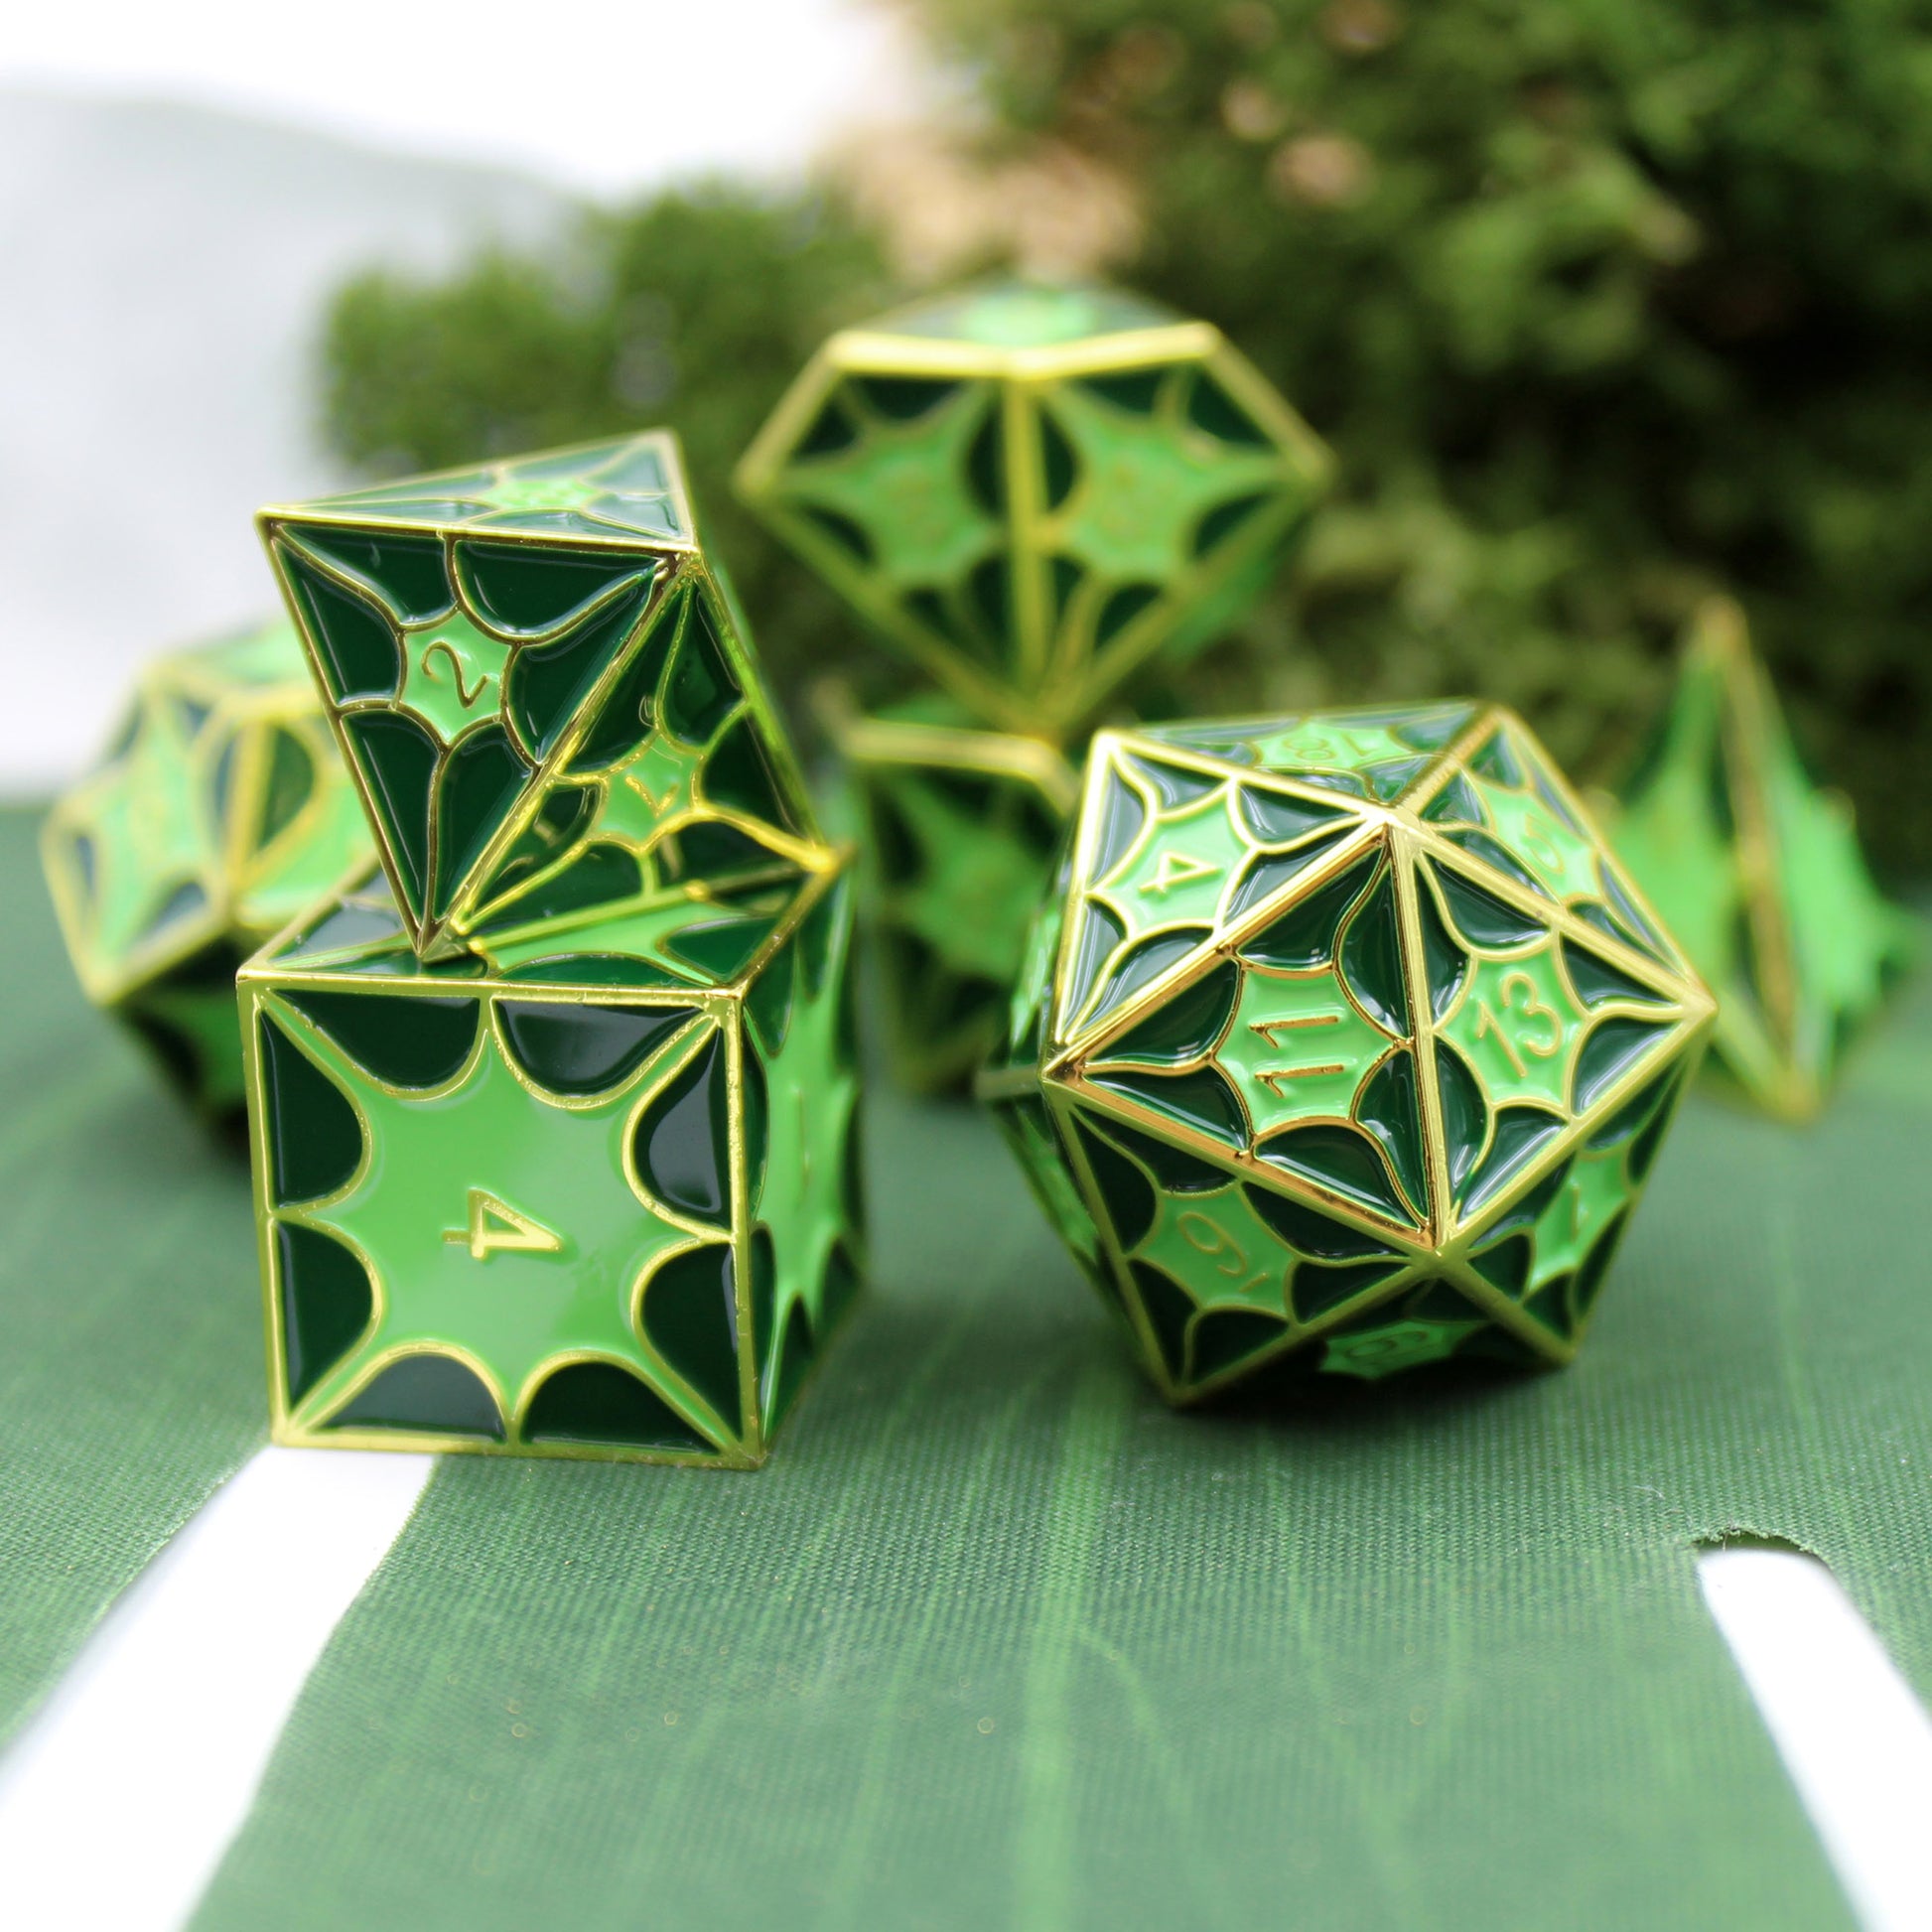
column 399, row 757
column 599, row 1402
column 432, row 1393
column 418, row 1042
column 703, row 690
column 547, row 684
column 357, row 648
column 1483, row 919
column 1187, row 1025
column 483, row 780
column 690, row 1318
column 1371, row 959
column 407, row 572
column 1202, row 1099
column 585, row 1049
column 315, row 1138
column 1129, row 1199
column 683, row 1139
column 524, row 590
column 1339, row 1157
column 1518, row 1135
column 1304, row 936
column 325, row 1304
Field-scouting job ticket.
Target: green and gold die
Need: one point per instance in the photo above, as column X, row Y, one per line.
column 1759, row 872
column 543, row 690
column 590, row 1193
column 218, row 813
column 958, row 828
column 1030, row 492
column 1343, row 1045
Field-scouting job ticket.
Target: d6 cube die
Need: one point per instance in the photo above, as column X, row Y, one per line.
column 218, row 814
column 1343, row 1044
column 588, row 1194
column 542, row 688
column 958, row 830
column 1030, row 491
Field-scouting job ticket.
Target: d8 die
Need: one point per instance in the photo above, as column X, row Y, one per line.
column 542, row 689
column 589, row 1193
column 1343, row 1044
column 959, row 828
column 1758, row 873
column 1030, row 491
column 219, row 812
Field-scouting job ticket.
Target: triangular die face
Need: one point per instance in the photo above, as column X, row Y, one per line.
column 1505, row 806
column 1536, row 1031
column 679, row 778
column 1172, row 857
column 1295, row 1054
column 1374, row 755
column 1757, row 873
column 1223, row 1269
column 627, row 491
column 453, row 727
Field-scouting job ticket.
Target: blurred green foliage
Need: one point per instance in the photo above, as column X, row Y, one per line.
column 1602, row 303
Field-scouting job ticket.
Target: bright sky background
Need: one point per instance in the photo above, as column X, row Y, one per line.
column 600, row 94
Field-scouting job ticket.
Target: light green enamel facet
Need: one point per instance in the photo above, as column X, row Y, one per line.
column 904, row 485
column 1026, row 505
column 453, row 675
column 1180, row 867
column 189, row 847
column 1757, row 873
column 1146, row 481
column 562, row 1169
column 1594, row 1191
column 811, row 1105
column 1217, row 1244
column 1389, row 1102
column 1518, row 1026
column 1299, row 1048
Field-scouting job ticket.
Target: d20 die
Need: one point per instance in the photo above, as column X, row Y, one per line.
column 590, row 1195
column 218, row 813
column 541, row 688
column 1758, row 873
column 1343, row 1044
column 1030, row 491
column 958, row 829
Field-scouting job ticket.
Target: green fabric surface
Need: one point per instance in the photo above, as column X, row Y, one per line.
column 130, row 1351
column 997, row 1641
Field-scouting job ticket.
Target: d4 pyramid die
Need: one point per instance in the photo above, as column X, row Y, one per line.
column 586, row 1192
column 1758, row 873
column 1030, row 491
column 1342, row 1043
column 542, row 690
column 958, row 828
column 218, row 813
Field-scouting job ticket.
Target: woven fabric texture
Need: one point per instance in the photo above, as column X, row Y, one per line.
column 130, row 1347
column 995, row 1640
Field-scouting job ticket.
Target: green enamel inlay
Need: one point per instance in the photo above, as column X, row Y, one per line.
column 1517, row 1023
column 1299, row 1048
column 1216, row 1243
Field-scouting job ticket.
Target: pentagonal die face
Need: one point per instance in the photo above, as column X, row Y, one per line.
column 589, row 1195
column 1029, row 492
column 541, row 689
column 1349, row 1041
column 217, row 814
column 959, row 830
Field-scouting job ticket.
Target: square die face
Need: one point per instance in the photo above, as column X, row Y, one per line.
column 519, row 1215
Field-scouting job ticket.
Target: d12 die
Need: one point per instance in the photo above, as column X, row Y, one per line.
column 1343, row 1044
column 541, row 688
column 219, row 812
column 589, row 1193
column 1758, row 873
column 1030, row 491
column 959, row 829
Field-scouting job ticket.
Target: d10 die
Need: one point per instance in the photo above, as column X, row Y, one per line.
column 1759, row 873
column 959, row 828
column 1343, row 1042
column 1030, row 491
column 590, row 1193
column 219, row 812
column 541, row 688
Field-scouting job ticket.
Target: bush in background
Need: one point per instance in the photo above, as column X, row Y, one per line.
column 1602, row 303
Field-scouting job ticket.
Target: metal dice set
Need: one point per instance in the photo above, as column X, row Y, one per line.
column 1337, row 1044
